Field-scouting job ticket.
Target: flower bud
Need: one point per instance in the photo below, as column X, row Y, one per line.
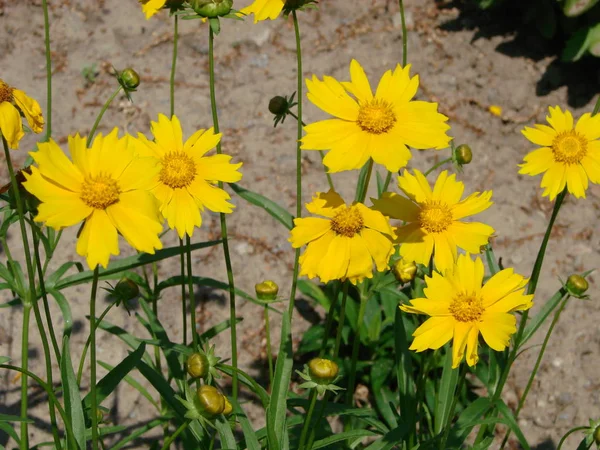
column 210, row 401
column 197, row 365
column 322, row 371
column 211, row 8
column 596, row 435
column 577, row 285
column 278, row 105
column 405, row 271
column 267, row 290
column 130, row 79
column 463, row 154
column 228, row 407
column 126, row 289
column 99, row 415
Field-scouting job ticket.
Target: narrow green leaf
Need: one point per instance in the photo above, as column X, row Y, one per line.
column 404, row 371
column 362, row 179
column 466, row 420
column 536, row 321
column 139, row 432
column 73, row 407
column 9, row 418
column 219, row 328
column 134, row 384
column 11, row 304
column 445, row 395
column 275, row 210
column 246, row 379
column 225, row 433
column 389, row 440
column 58, row 274
column 491, row 260
column 8, row 429
column 249, row 434
column 354, row 434
column 65, row 309
column 313, row 291
column 382, row 394
column 512, row 423
column 129, row 339
column 116, row 267
column 4, row 359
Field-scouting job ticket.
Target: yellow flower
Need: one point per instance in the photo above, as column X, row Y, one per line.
column 569, row 156
column 185, row 184
column 460, row 308
column 106, row 186
column 12, row 103
column 379, row 127
column 151, row 7
column 264, row 9
column 344, row 244
column 433, row 218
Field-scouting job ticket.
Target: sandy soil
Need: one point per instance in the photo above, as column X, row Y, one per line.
column 466, row 62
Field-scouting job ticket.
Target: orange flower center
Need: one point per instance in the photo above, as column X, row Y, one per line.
column 466, row 307
column 435, row 217
column 347, row 222
column 100, row 192
column 6, row 92
column 178, row 170
column 569, row 147
column 376, row 117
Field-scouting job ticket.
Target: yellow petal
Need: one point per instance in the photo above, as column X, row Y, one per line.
column 397, row 207
column 419, row 125
column 380, row 247
column 167, row 133
column 554, row 180
column 11, row 126
column 415, row 244
column 349, row 154
column 146, row 148
column 469, row 273
column 537, row 161
column 515, row 301
column 30, row 109
column 325, row 204
column 218, row 168
column 313, row 255
column 461, row 333
column 540, row 136
column 307, row 230
column 447, row 190
column 440, row 288
column 559, row 120
column 470, row 236
column 334, row 263
column 398, row 87
column 359, row 85
column 385, row 149
column 79, row 153
column 428, row 306
column 361, row 263
column 589, row 126
column 445, row 252
column 141, row 173
column 577, row 180
column 55, row 165
column 151, row 7
column 415, row 186
column 264, row 9
column 435, row 332
column 330, row 96
column 327, row 134
column 472, row 343
column 209, row 196
column 98, row 240
column 182, row 213
column 374, row 219
column 591, row 166
column 201, row 142
column 497, row 328
column 473, row 204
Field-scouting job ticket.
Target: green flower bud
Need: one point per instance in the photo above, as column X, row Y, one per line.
column 278, row 105
column 211, row 8
column 597, row 435
column 126, row 289
column 463, row 154
column 197, row 365
column 267, row 290
column 210, row 401
column 405, row 271
column 228, row 407
column 323, row 371
column 99, row 415
column 130, row 79
column 577, row 285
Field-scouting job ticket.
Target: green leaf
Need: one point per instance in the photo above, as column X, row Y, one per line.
column 389, row 440
column 512, row 423
column 111, row 380
column 249, row 434
column 313, row 291
column 9, row 418
column 65, row 309
column 577, row 45
column 246, row 379
column 115, row 268
column 134, row 384
column 445, row 395
column 536, row 321
column 73, row 407
column 215, row 24
column 380, row 372
column 129, row 339
column 8, row 429
column 58, row 274
column 362, row 179
column 466, row 420
column 4, row 359
column 276, row 412
column 276, row 211
column 131, row 436
column 354, row 434
column 491, row 260
column 225, row 433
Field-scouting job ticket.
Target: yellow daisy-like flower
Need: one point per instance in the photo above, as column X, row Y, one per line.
column 106, row 186
column 264, row 9
column 185, row 182
column 345, row 243
column 569, row 155
column 380, row 126
column 460, row 308
column 151, row 7
column 433, row 218
column 12, row 103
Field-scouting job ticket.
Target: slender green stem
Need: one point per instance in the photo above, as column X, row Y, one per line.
column 174, row 64
column 570, row 432
column 321, row 152
column 355, row 347
column 101, row 114
column 183, row 296
column 88, row 341
column 596, row 107
column 172, row 438
column 363, row 188
column 24, row 378
column 461, row 382
column 329, row 324
column 94, row 399
column 223, row 217
column 387, row 182
column 307, row 419
column 188, row 250
column 269, row 349
column 298, row 160
column 440, row 164
column 48, row 123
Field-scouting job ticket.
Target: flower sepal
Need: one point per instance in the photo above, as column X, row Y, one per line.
column 203, row 364
column 280, row 107
column 320, row 374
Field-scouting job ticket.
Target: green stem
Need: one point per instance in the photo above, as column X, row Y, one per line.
column 100, row 115
column 224, row 234
column 94, row 399
column 386, row 184
column 329, row 324
column 88, row 341
column 24, row 378
column 440, row 164
column 174, row 64
column 307, row 419
column 188, row 250
column 321, row 152
column 269, row 350
column 362, row 188
column 461, row 382
column 183, row 296
column 355, row 347
column 298, row 160
column 48, row 123
column 172, row 438
column 570, row 432
column 596, row 107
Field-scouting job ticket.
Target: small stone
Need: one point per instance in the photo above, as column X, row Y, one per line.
column 261, row 38
column 244, row 249
column 557, row 362
column 541, row 403
column 564, row 398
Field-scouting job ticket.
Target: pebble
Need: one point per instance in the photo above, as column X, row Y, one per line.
column 243, row 249
column 557, row 362
column 261, row 38
column 564, row 398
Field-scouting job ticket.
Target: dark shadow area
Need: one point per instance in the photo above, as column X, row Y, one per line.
column 525, row 23
column 548, row 444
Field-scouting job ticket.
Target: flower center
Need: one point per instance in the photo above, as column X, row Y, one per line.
column 347, row 222
column 569, row 147
column 100, row 192
column 6, row 92
column 376, row 117
column 466, row 307
column 178, row 170
column 435, row 217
